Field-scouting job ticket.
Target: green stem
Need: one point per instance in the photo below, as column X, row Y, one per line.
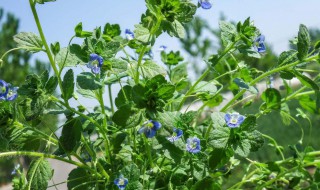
column 275, row 144
column 10, row 50
column 204, row 74
column 53, row 65
column 148, row 151
column 253, row 82
column 110, row 98
column 43, row 155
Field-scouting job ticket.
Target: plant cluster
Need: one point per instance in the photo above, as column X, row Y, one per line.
column 147, row 138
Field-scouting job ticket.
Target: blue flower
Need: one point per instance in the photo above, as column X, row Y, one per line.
column 95, row 63
column 233, row 120
column 3, row 89
column 162, row 48
column 177, row 133
column 150, row 128
column 259, row 44
column 129, row 34
column 205, row 4
column 12, row 93
column 121, row 182
column 193, row 145
column 16, row 168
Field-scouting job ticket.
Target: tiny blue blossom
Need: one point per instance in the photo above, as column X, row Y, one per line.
column 16, row 168
column 233, row 120
column 129, row 34
column 259, row 44
column 121, row 182
column 193, row 145
column 12, row 93
column 95, row 63
column 205, row 4
column 150, row 128
column 177, row 133
column 3, row 88
column 162, row 48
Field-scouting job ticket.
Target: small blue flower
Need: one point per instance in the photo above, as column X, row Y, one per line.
column 150, row 128
column 3, row 88
column 16, row 168
column 193, row 145
column 205, row 4
column 259, row 44
column 12, row 93
column 233, row 120
column 129, row 34
column 121, row 182
column 95, row 63
column 162, row 48
column 177, row 133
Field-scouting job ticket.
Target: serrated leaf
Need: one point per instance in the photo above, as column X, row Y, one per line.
column 303, row 42
column 256, row 140
column 131, row 172
column 242, row 148
column 205, row 87
column 68, row 85
column 78, row 180
column 52, row 84
column 88, row 81
column 28, row 41
column 219, row 137
column 178, row 29
column 218, row 119
column 228, row 32
column 249, row 124
column 287, row 57
column 219, row 157
column 168, row 119
column 165, row 91
column 150, row 69
column 71, row 134
column 127, row 117
column 39, row 174
column 141, row 33
column 66, row 59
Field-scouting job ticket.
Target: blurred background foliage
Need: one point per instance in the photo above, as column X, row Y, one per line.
column 16, row 66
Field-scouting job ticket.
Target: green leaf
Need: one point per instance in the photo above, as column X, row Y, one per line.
column 287, row 57
column 150, row 69
column 134, row 185
column 242, row 148
column 88, row 81
column 228, row 32
column 303, row 42
column 112, row 30
column 71, row 134
column 24, row 139
column 272, row 98
column 78, row 29
column 205, row 87
column 186, row 11
column 127, row 117
column 141, row 33
column 178, row 73
column 218, row 119
column 138, row 95
column 68, row 85
column 172, row 58
column 249, row 124
column 131, row 172
column 28, row 41
column 207, row 183
column 219, row 137
column 78, row 180
column 307, row 81
column 44, row 1
column 117, row 65
column 219, row 157
column 165, row 91
column 67, row 59
column 51, row 85
column 55, row 48
column 39, row 174
column 168, row 119
column 256, row 140
column 178, row 29
column 124, row 96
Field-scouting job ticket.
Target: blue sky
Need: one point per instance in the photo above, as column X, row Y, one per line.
column 277, row 20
